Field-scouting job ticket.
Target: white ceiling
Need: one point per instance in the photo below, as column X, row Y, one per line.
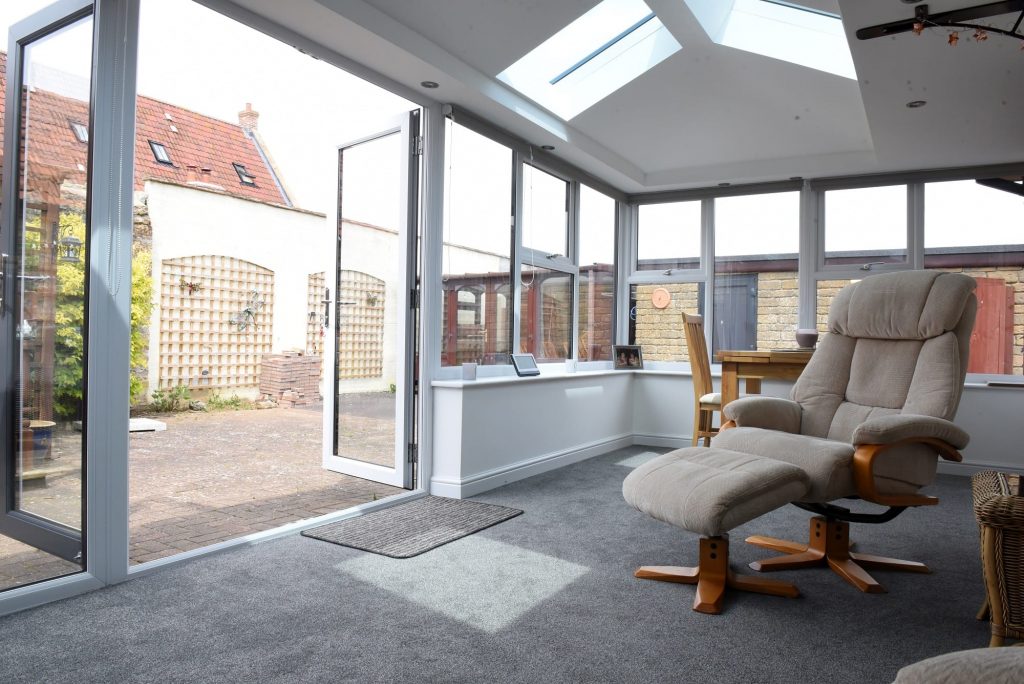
column 708, row 114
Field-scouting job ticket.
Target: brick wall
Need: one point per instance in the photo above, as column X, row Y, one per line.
column 777, row 310
column 660, row 331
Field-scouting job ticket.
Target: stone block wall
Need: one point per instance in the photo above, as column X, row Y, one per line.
column 778, row 308
column 660, row 331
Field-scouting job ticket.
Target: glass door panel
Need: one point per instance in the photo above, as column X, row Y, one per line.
column 373, row 327
column 45, row 281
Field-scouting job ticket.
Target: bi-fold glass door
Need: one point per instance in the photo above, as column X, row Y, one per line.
column 45, row 281
column 371, row 324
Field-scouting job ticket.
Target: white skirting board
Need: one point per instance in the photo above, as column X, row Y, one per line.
column 482, row 482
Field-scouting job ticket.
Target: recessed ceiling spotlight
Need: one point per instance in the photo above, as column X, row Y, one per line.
column 724, row 185
column 547, row 148
column 914, row 104
column 910, row 2
column 429, row 84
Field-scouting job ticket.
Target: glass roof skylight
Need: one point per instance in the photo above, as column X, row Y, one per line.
column 778, row 29
column 606, row 48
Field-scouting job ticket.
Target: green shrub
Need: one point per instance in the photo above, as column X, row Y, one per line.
column 172, row 399
column 232, row 403
column 69, row 320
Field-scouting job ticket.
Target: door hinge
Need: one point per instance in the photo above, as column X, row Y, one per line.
column 413, row 452
column 417, row 145
column 414, row 298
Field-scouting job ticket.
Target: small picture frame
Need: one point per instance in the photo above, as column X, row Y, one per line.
column 627, row 357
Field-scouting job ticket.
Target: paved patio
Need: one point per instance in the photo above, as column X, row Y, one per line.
column 216, row 476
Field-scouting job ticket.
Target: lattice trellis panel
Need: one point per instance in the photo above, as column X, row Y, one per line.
column 361, row 326
column 202, row 300
column 315, row 313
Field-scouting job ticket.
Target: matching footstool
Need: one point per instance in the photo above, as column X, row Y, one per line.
column 709, row 491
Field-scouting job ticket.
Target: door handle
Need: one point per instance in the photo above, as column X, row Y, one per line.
column 326, row 301
column 3, row 284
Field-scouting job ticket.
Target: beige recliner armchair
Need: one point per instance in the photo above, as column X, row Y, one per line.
column 869, row 416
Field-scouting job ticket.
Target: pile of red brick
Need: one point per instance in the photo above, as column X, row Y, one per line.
column 290, row 379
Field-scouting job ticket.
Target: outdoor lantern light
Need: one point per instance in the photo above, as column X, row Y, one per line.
column 69, row 249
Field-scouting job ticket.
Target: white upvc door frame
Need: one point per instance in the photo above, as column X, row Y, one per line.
column 400, row 474
column 112, row 130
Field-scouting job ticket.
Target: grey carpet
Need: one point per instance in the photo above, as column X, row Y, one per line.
column 545, row 597
column 412, row 528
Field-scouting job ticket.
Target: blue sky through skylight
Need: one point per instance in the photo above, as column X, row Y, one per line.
column 592, row 57
column 780, row 30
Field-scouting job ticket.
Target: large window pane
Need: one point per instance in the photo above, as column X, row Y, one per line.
column 597, row 275
column 659, row 329
column 545, row 211
column 979, row 231
column 545, row 313
column 476, row 284
column 49, row 267
column 866, row 225
column 757, row 241
column 668, row 236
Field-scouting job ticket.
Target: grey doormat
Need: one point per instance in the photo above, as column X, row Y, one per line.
column 409, row 529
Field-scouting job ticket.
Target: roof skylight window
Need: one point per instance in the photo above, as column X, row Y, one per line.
column 779, row 29
column 81, row 131
column 606, row 48
column 160, row 153
column 243, row 175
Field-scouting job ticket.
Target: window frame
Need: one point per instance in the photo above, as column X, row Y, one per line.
column 523, row 154
column 244, row 177
column 811, row 267
column 80, row 131
column 154, row 146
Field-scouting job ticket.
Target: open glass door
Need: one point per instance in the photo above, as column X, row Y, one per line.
column 370, row 331
column 43, row 238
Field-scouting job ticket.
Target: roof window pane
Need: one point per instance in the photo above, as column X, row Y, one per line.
column 779, row 29
column 606, row 48
column 243, row 175
column 81, row 131
column 160, row 153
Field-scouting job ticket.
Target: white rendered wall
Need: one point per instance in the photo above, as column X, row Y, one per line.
column 291, row 243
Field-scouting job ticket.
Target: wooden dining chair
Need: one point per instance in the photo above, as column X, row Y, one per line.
column 705, row 400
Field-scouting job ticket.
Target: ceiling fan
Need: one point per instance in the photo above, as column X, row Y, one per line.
column 954, row 19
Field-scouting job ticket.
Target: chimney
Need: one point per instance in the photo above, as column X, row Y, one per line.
column 191, row 174
column 247, row 118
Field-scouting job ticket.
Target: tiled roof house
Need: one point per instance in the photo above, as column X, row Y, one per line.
column 172, row 144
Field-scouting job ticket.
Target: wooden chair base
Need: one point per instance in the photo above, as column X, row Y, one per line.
column 712, row 575
column 830, row 545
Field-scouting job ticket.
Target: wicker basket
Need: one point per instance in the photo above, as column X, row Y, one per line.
column 1000, row 516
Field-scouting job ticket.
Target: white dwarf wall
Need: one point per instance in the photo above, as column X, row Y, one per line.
column 490, row 432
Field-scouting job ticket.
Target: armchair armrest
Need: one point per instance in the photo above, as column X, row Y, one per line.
column 771, row 413
column 864, row 472
column 903, row 427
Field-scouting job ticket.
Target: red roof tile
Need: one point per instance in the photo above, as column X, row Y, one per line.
column 195, row 140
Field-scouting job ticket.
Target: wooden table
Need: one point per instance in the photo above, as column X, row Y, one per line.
column 753, row 366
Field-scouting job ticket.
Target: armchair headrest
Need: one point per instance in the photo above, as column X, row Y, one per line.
column 908, row 305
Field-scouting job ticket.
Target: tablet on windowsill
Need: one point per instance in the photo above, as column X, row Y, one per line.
column 525, row 364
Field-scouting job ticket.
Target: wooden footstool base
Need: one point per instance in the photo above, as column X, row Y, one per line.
column 710, row 491
column 713, row 574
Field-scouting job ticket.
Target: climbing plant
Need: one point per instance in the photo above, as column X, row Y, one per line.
column 69, row 322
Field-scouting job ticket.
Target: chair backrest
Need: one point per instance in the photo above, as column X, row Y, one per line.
column 896, row 343
column 697, row 349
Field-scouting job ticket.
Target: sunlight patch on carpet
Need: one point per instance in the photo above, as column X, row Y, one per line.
column 478, row 581
column 638, row 460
